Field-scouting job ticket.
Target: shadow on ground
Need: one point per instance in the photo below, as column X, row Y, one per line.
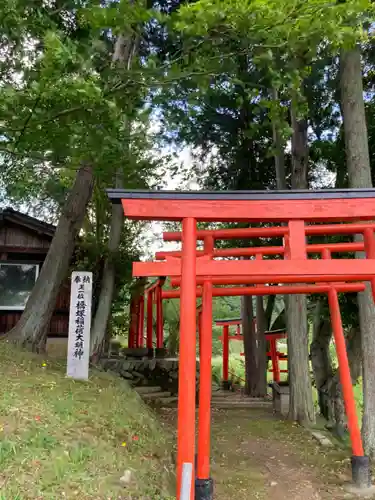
column 257, row 456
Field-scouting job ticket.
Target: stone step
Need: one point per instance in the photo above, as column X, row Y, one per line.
column 156, row 395
column 233, row 395
column 170, row 401
column 240, row 404
column 145, row 389
column 136, row 352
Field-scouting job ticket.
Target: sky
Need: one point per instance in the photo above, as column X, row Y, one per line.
column 153, row 235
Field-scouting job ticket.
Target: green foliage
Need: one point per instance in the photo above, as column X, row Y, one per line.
column 68, row 103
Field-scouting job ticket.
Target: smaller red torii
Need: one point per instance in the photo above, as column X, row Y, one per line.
column 271, row 337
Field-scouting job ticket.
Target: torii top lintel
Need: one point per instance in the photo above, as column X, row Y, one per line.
column 251, row 206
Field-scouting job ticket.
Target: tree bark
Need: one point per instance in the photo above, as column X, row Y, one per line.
column 301, row 407
column 250, row 349
column 32, row 328
column 278, row 148
column 261, row 347
column 255, row 353
column 268, row 312
column 321, row 360
column 123, row 54
column 99, row 328
column 359, row 176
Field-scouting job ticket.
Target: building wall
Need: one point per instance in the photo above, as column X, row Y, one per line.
column 22, row 244
column 59, row 325
column 13, row 237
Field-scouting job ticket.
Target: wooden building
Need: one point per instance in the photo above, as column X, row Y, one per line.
column 24, row 243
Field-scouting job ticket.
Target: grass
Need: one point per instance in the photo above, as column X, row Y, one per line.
column 61, row 438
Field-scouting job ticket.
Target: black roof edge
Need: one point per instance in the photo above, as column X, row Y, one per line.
column 38, row 225
column 116, row 195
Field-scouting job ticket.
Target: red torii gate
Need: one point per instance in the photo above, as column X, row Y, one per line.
column 225, row 339
column 272, row 337
column 137, row 310
column 296, row 208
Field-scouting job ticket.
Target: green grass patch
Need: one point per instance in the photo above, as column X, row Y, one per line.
column 61, row 438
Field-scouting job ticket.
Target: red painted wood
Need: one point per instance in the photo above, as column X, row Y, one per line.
column 297, row 240
column 150, row 318
column 274, row 360
column 345, row 378
column 271, row 290
column 239, row 280
column 154, row 285
column 199, row 326
column 132, row 337
column 270, row 232
column 242, row 210
column 370, row 252
column 159, row 317
column 141, row 318
column 274, row 354
column 234, row 322
column 187, row 359
column 330, row 270
column 205, row 385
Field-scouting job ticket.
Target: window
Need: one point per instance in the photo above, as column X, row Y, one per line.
column 16, row 283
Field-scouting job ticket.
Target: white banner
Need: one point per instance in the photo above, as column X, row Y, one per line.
column 79, row 326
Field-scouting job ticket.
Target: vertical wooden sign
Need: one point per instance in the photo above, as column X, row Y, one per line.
column 79, row 325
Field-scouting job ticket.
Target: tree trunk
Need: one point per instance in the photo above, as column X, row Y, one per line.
column 99, row 327
column 301, row 407
column 268, row 312
column 278, row 148
column 321, row 359
column 249, row 341
column 32, row 328
column 261, row 347
column 255, row 353
column 123, row 53
column 359, row 176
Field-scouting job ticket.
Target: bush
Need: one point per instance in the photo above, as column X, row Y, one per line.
column 236, row 369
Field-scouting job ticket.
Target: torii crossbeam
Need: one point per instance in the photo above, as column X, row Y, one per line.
column 296, row 209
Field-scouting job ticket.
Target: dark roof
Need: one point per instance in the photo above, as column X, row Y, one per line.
column 10, row 215
column 116, row 195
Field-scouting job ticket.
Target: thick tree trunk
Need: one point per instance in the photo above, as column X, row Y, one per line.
column 359, row 175
column 123, row 54
column 99, row 328
column 321, row 359
column 301, row 403
column 255, row 352
column 32, row 328
column 250, row 347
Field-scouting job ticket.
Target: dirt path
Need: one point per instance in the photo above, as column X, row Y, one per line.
column 256, row 456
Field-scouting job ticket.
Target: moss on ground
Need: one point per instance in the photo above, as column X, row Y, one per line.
column 60, row 438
